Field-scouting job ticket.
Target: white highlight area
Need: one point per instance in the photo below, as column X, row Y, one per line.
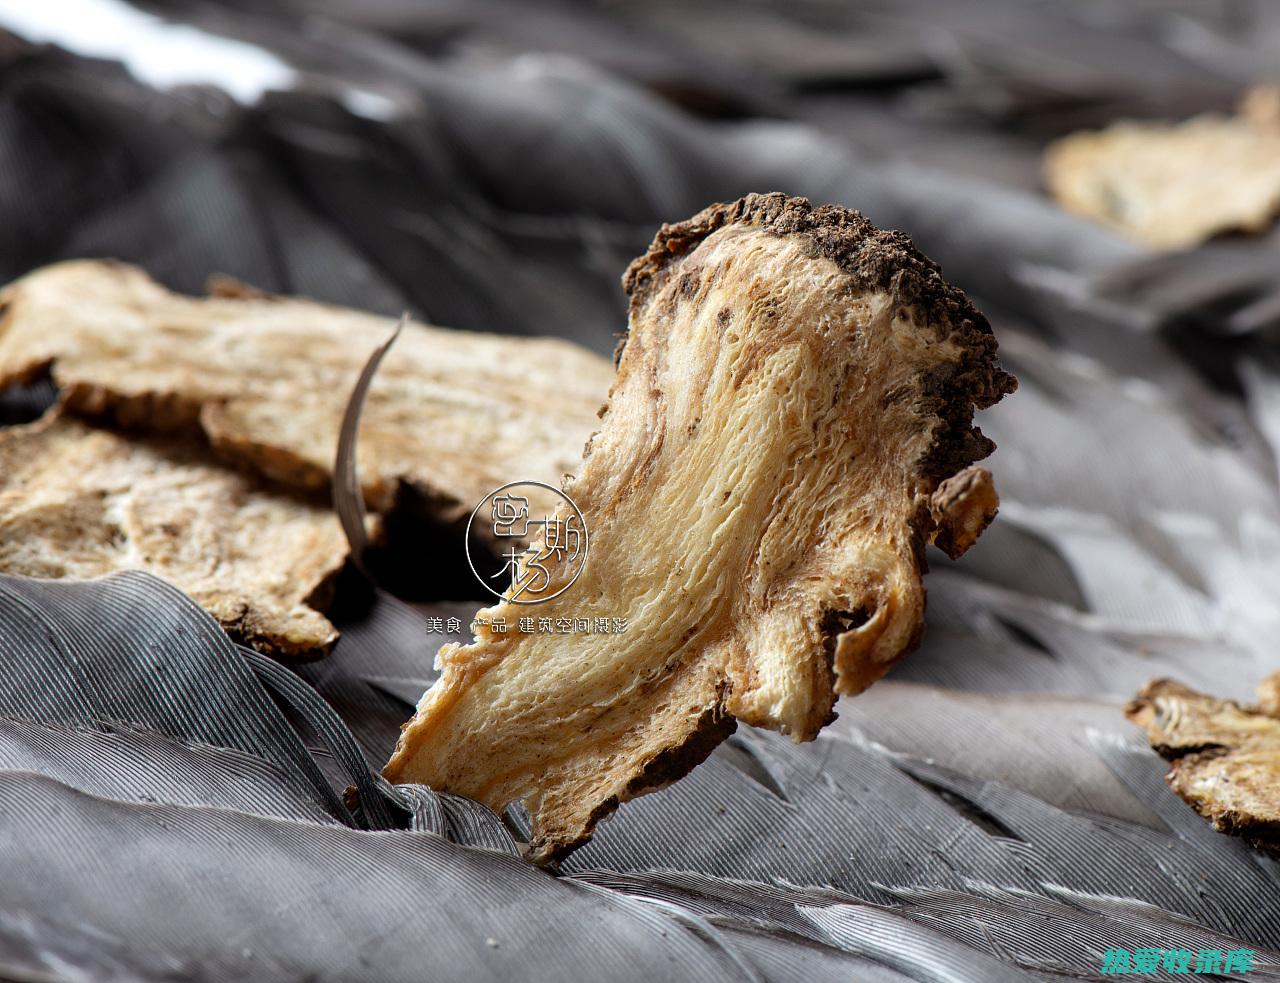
column 157, row 52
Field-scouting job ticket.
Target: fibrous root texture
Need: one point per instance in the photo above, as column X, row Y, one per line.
column 790, row 424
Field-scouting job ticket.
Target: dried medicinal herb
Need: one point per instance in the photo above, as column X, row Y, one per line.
column 1172, row 186
column 791, row 423
column 1225, row 757
column 454, row 414
column 80, row 502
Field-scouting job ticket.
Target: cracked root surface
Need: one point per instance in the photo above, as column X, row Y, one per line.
column 452, row 413
column 80, row 502
column 1225, row 757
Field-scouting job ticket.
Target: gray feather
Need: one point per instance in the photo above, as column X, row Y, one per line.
column 143, row 766
column 131, row 650
column 242, row 896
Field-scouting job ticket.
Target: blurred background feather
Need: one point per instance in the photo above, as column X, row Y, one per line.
column 175, row 809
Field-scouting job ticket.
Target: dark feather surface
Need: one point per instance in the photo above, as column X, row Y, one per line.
column 131, row 651
column 229, row 895
column 141, row 766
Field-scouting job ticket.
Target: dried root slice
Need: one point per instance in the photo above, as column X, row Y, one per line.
column 452, row 413
column 1226, row 758
column 81, row 502
column 795, row 392
column 1173, row 186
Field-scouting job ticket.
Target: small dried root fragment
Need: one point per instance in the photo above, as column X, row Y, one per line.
column 80, row 502
column 452, row 413
column 1226, row 758
column 1173, row 186
column 794, row 393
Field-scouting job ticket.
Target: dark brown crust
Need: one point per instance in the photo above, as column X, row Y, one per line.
column 874, row 259
column 714, row 727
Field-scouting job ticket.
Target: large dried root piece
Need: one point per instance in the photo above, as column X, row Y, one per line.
column 1174, row 186
column 1226, row 758
column 790, row 424
column 453, row 413
column 81, row 502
